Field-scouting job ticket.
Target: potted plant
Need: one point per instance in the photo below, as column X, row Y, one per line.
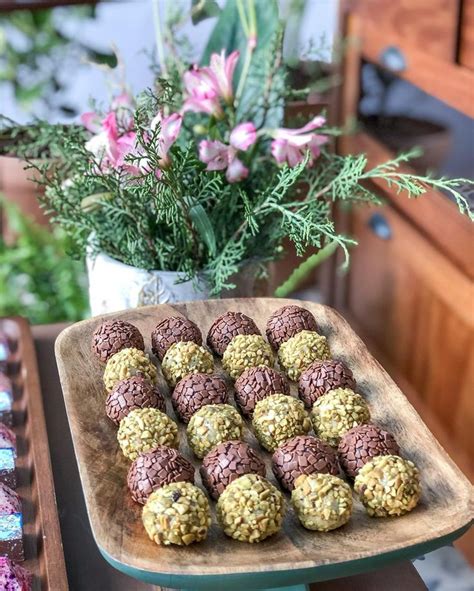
column 178, row 191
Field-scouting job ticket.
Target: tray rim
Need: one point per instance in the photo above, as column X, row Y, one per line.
column 46, row 507
column 272, row 574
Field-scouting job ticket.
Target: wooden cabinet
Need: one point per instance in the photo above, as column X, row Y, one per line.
column 409, row 291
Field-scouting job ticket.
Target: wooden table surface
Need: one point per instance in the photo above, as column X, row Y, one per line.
column 87, row 570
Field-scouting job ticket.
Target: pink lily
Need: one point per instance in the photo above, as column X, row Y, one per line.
column 222, row 69
column 109, row 146
column 169, row 127
column 291, row 145
column 202, row 93
column 220, row 156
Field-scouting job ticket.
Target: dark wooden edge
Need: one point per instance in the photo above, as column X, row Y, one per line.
column 42, row 477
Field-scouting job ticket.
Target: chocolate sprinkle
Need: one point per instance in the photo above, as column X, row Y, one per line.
column 113, row 336
column 303, row 454
column 255, row 384
column 173, row 330
column 322, row 376
column 131, row 393
column 228, row 326
column 195, row 391
column 227, row 462
column 288, row 321
column 361, row 444
column 156, row 468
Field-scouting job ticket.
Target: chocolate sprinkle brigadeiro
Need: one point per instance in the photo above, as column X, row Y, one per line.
column 114, row 335
column 255, row 384
column 361, row 444
column 303, row 454
column 195, row 391
column 226, row 327
column 156, row 468
column 131, row 393
column 322, row 376
column 227, row 462
column 288, row 321
column 173, row 330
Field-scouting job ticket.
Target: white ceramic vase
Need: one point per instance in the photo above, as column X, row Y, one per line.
column 115, row 286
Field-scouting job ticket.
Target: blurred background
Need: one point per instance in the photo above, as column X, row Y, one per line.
column 397, row 75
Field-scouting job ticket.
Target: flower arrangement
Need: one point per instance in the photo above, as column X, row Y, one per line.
column 201, row 175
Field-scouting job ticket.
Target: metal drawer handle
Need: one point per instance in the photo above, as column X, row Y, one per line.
column 392, row 58
column 380, row 226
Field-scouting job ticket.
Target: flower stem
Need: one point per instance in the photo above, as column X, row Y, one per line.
column 249, row 26
column 159, row 37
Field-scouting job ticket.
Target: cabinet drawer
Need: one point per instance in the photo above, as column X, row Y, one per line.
column 417, row 307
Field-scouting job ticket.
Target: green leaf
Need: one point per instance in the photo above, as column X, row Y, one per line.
column 204, row 227
column 203, row 9
column 98, row 57
column 303, row 270
column 229, row 35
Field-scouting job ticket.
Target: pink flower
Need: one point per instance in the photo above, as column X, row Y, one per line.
column 291, row 145
column 222, row 69
column 220, row 156
column 109, row 146
column 243, row 136
column 202, row 93
column 169, row 130
column 206, row 86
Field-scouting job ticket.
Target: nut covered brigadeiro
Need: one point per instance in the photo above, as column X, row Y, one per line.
column 298, row 353
column 322, row 376
column 177, row 513
column 195, row 391
column 131, row 393
column 246, row 351
column 227, row 462
column 127, row 363
column 303, row 454
column 156, row 468
column 278, row 418
column 228, row 326
column 211, row 425
column 322, row 502
column 288, row 321
column 361, row 444
column 114, row 335
column 336, row 412
column 250, row 509
column 255, row 384
column 388, row 486
column 173, row 330
column 143, row 429
column 183, row 358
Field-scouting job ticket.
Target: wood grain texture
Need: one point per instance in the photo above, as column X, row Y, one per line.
column 449, row 82
column 418, row 309
column 430, row 25
column 434, row 214
column 466, row 44
column 445, row 507
column 41, row 533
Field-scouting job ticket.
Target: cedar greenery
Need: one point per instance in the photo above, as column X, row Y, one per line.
column 193, row 220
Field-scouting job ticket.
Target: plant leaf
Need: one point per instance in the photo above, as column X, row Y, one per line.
column 204, row 227
column 203, row 9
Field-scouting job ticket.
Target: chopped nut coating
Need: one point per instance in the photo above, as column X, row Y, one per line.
column 211, row 425
column 183, row 358
column 298, row 353
column 126, row 364
column 246, row 351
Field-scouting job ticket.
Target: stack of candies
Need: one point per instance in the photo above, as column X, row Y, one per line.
column 11, row 514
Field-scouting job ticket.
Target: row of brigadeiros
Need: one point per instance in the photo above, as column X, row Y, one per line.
column 318, row 470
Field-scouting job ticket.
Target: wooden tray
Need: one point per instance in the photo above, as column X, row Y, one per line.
column 295, row 555
column 42, row 537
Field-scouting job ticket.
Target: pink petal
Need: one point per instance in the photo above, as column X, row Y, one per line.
column 209, row 106
column 170, row 128
column 236, row 171
column 214, row 153
column 278, row 149
column 223, row 71
column 109, row 124
column 243, row 136
column 284, row 132
column 91, row 121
